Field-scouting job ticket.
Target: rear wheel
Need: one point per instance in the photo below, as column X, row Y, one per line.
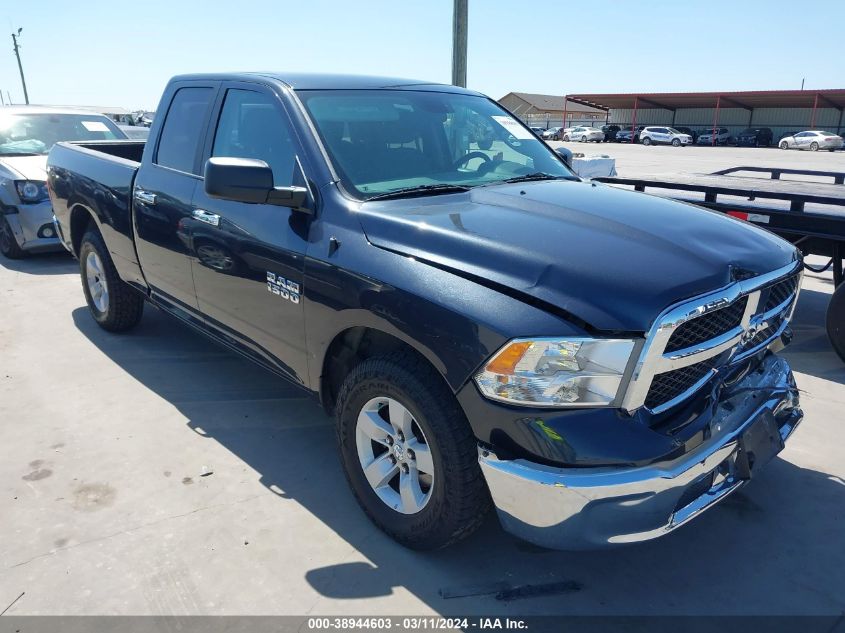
column 814, row 147
column 8, row 244
column 676, row 142
column 115, row 306
column 409, row 453
column 584, row 139
column 566, row 137
column 646, row 141
column 836, row 321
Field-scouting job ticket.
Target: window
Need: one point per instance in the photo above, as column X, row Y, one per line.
column 252, row 126
column 180, row 136
column 381, row 141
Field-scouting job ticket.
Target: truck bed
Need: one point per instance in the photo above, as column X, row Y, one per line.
column 96, row 178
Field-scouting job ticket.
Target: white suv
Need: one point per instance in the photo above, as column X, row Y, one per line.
column 722, row 137
column 665, row 135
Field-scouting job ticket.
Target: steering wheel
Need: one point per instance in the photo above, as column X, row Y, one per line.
column 468, row 157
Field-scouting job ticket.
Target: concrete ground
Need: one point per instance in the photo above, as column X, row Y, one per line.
column 639, row 160
column 156, row 473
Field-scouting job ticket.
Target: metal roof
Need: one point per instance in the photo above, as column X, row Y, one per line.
column 549, row 103
column 39, row 109
column 748, row 100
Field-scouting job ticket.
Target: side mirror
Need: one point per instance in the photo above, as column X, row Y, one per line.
column 249, row 180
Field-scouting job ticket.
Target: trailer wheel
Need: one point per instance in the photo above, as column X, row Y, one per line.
column 836, row 321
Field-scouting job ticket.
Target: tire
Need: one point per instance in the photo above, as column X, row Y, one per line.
column 814, row 147
column 835, row 321
column 784, row 145
column 566, row 138
column 676, row 142
column 646, row 141
column 115, row 306
column 456, row 499
column 583, row 139
column 8, row 244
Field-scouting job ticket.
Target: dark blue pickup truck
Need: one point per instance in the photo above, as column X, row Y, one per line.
column 486, row 327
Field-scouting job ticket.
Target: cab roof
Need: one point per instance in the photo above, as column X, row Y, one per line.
column 320, row 81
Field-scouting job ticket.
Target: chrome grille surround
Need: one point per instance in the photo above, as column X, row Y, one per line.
column 742, row 341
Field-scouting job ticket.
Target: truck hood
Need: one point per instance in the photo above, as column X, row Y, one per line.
column 26, row 167
column 612, row 258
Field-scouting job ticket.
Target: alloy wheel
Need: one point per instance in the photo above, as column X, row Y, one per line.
column 394, row 455
column 96, row 278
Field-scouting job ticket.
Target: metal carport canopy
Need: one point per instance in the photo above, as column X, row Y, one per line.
column 749, row 100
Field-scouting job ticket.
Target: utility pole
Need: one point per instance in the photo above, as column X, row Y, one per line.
column 20, row 67
column 802, row 83
column 459, row 43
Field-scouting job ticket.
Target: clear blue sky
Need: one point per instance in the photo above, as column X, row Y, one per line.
column 122, row 53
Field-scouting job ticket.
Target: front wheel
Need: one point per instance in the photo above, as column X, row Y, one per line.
column 115, row 306
column 409, row 453
column 676, row 142
column 566, row 137
column 784, row 145
column 814, row 147
column 8, row 244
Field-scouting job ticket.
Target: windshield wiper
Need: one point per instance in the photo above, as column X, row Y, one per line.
column 539, row 175
column 420, row 190
column 20, row 154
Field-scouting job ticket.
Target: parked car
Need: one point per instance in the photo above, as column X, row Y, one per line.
column 486, row 328
column 624, row 135
column 658, row 135
column 722, row 136
column 685, row 130
column 812, row 140
column 538, row 131
column 584, row 134
column 26, row 135
column 755, row 137
column 552, row 134
column 610, row 132
column 135, row 131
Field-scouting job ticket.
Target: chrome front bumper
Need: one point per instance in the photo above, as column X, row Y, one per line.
column 587, row 508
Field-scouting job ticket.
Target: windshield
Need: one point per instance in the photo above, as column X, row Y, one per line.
column 382, row 141
column 37, row 133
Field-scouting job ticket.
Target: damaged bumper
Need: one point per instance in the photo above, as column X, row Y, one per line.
column 584, row 508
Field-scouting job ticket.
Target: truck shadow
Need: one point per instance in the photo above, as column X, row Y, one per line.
column 776, row 546
column 811, row 352
column 42, row 264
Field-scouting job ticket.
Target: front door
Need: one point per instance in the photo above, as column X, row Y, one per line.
column 162, row 197
column 250, row 258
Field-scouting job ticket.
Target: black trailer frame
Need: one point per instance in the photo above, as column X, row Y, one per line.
column 817, row 230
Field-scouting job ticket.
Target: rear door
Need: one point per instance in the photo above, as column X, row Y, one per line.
column 163, row 191
column 250, row 258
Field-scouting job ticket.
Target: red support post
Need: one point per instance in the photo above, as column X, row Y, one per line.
column 715, row 120
column 815, row 107
column 634, row 119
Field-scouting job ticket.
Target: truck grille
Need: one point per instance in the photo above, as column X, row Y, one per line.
column 708, row 326
column 748, row 309
column 671, row 384
column 780, row 292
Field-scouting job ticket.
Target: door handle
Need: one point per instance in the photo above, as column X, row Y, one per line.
column 204, row 216
column 145, row 197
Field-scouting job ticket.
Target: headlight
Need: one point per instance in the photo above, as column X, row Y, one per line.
column 31, row 191
column 547, row 372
